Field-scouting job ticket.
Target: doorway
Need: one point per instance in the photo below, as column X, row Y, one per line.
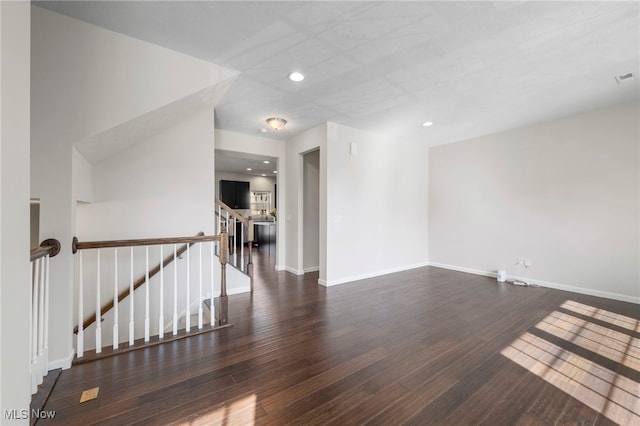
column 311, row 211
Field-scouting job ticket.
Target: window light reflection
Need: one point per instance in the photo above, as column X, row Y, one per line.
column 614, row 395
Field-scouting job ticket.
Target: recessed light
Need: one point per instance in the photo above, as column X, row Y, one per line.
column 264, row 174
column 427, row 124
column 263, row 130
column 249, row 169
column 266, row 161
column 296, row 76
column 275, row 171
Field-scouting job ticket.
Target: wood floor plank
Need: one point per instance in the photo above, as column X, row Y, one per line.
column 425, row 346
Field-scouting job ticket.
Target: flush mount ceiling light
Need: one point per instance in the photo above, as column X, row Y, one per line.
column 427, row 124
column 249, row 169
column 276, row 123
column 296, row 76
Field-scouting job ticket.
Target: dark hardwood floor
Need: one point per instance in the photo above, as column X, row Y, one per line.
column 421, row 347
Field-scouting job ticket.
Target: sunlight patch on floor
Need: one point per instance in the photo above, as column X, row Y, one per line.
column 614, row 395
column 241, row 412
column 616, row 346
column 602, row 315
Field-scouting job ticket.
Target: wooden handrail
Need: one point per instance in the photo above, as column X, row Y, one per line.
column 76, row 245
column 232, row 212
column 152, row 272
column 49, row 247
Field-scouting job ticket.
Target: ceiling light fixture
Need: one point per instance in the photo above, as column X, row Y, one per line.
column 296, row 76
column 266, row 161
column 264, row 175
column 263, row 130
column 276, row 123
column 427, row 124
column 275, row 171
column 249, row 169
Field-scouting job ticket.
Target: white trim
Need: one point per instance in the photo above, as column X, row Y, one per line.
column 294, row 271
column 322, row 282
column 311, row 269
column 280, row 268
column 237, row 290
column 372, row 274
column 64, row 363
column 466, row 270
column 547, row 284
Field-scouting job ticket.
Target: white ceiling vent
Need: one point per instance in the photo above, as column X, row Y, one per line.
column 625, row 78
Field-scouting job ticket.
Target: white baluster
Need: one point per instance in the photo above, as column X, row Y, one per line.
column 131, row 322
column 188, row 317
column 161, row 316
column 46, row 316
column 200, row 312
column 146, row 297
column 175, row 290
column 98, row 315
column 243, row 267
column 212, row 320
column 115, row 298
column 80, row 339
column 33, row 327
column 41, row 363
column 235, row 244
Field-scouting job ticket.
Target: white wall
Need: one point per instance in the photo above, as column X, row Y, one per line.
column 14, row 208
column 232, row 141
column 564, row 193
column 376, row 204
column 311, row 211
column 311, row 140
column 93, row 79
column 82, row 177
column 161, row 186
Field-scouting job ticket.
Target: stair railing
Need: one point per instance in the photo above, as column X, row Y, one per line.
column 137, row 283
column 39, row 342
column 226, row 219
column 181, row 286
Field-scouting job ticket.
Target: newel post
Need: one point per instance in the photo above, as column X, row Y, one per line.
column 223, row 304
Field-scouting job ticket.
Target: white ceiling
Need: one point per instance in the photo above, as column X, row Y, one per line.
column 470, row 67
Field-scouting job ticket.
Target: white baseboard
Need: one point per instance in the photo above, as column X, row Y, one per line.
column 64, row 363
column 322, row 282
column 311, row 269
column 294, row 271
column 372, row 274
column 238, row 290
column 280, row 268
column 463, row 269
column 541, row 283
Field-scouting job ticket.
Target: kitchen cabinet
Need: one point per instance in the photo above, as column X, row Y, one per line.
column 235, row 194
